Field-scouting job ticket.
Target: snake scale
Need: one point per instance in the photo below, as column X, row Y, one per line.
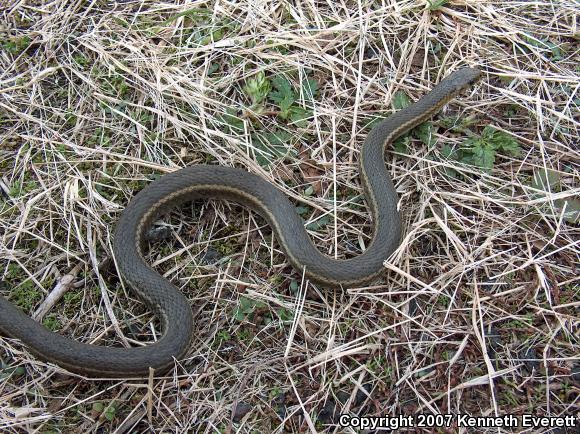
column 203, row 181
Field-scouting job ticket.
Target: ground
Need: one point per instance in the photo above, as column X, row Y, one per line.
column 477, row 311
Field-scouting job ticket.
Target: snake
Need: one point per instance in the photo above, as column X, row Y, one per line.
column 234, row 184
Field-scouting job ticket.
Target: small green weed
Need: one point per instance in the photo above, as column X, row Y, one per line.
column 294, row 286
column 51, row 322
column 481, row 151
column 81, row 60
column 193, row 13
column 285, row 314
column 244, row 335
column 282, row 94
column 246, row 308
column 231, row 119
column 436, row 4
column 274, row 144
column 546, row 180
column 25, row 294
column 423, row 132
column 553, row 50
column 108, row 412
column 257, row 89
column 285, row 97
column 16, row 46
column 549, row 181
column 319, row 223
column 11, row 371
column 223, row 335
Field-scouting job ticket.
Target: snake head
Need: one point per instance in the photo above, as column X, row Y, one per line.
column 462, row 79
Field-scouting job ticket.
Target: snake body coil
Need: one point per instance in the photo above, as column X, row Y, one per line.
column 233, row 184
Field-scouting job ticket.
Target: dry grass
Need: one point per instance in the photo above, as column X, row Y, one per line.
column 478, row 312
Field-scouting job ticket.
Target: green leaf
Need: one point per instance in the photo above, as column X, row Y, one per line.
column 51, row 322
column 451, row 172
column 300, row 210
column 110, row 412
column 294, row 286
column 400, row 100
column 436, row 4
column 467, row 158
column 400, row 145
column 483, row 156
column 424, row 132
column 557, row 53
column 546, row 180
column 501, row 141
column 283, row 95
column 457, row 124
column 449, row 152
column 319, row 223
column 545, row 44
column 309, row 89
column 299, row 116
column 247, row 307
column 213, row 67
column 279, row 137
column 273, row 145
column 283, row 90
column 232, row 120
column 481, row 150
column 194, row 13
column 571, row 209
column 257, row 88
column 373, row 122
column 285, row 314
column 11, row 371
column 16, row 45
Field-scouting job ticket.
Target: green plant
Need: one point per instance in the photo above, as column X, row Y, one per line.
column 285, row 314
column 549, row 181
column 193, row 13
column 319, row 223
column 16, row 45
column 81, row 60
column 480, row 151
column 223, row 335
column 51, row 322
column 231, row 120
column 257, row 89
column 107, row 412
column 272, row 146
column 244, row 335
column 284, row 96
column 25, row 295
column 436, row 4
column 294, row 286
column 553, row 50
column 11, row 371
column 423, row 131
column 246, row 308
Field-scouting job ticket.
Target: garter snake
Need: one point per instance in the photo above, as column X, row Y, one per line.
column 203, row 181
